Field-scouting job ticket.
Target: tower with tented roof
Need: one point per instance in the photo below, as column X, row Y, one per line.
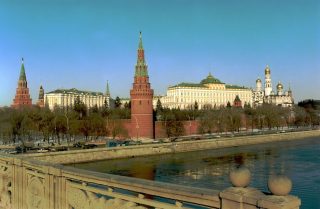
column 22, row 97
column 141, row 94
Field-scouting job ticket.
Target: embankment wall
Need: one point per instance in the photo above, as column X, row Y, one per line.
column 77, row 156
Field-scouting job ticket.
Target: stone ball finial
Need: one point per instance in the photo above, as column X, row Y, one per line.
column 240, row 177
column 279, row 185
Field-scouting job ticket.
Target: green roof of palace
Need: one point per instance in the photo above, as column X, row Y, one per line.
column 235, row 87
column 75, row 91
column 208, row 80
column 184, row 84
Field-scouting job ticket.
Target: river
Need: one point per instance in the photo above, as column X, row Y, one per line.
column 299, row 160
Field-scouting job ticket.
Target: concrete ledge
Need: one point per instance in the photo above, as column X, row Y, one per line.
column 279, row 202
column 237, row 197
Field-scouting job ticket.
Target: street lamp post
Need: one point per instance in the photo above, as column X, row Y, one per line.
column 189, row 125
column 65, row 114
column 137, row 126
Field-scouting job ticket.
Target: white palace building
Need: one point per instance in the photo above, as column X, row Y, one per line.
column 65, row 98
column 212, row 93
column 209, row 93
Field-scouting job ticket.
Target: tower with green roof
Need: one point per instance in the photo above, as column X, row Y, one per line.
column 141, row 94
column 141, row 66
column 107, row 96
column 107, row 90
column 22, row 97
column 237, row 101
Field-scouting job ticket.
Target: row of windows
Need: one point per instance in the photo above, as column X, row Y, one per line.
column 23, row 91
column 68, row 102
column 208, row 94
column 140, row 102
column 23, row 96
column 224, row 97
column 211, row 101
column 75, row 96
column 214, row 97
column 187, row 106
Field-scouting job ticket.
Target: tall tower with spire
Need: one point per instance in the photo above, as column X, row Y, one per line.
column 22, row 97
column 107, row 90
column 141, row 94
column 268, row 83
column 107, row 101
column 40, row 102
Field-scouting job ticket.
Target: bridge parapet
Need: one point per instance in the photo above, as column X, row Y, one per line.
column 32, row 184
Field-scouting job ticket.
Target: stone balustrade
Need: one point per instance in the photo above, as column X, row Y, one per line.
column 33, row 184
column 243, row 197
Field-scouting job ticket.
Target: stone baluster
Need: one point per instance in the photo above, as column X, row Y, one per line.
column 18, row 184
column 280, row 187
column 240, row 196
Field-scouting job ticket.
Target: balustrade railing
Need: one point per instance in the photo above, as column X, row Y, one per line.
column 31, row 184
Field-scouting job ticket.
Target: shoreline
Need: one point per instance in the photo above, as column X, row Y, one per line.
column 79, row 156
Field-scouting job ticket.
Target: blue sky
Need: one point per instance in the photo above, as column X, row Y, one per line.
column 82, row 44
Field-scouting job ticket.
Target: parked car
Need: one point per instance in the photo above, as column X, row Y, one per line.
column 89, row 146
column 78, row 144
column 117, row 143
column 20, row 149
column 130, row 142
column 42, row 150
column 58, row 149
column 111, row 144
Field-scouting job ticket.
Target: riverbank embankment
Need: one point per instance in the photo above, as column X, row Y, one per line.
column 77, row 156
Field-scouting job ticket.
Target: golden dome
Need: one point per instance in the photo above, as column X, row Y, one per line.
column 279, row 86
column 267, row 70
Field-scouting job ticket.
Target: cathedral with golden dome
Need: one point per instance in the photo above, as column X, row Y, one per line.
column 267, row 95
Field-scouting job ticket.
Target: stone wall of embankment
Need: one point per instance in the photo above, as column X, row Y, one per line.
column 77, row 156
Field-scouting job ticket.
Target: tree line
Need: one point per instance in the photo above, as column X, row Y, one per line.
column 33, row 124
column 235, row 119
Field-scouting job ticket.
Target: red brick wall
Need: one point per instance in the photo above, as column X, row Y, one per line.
column 160, row 131
column 127, row 125
column 190, row 128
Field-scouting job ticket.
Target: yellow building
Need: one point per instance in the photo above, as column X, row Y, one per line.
column 209, row 93
column 65, row 98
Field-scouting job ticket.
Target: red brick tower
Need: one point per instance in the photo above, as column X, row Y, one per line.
column 141, row 95
column 22, row 97
column 237, row 102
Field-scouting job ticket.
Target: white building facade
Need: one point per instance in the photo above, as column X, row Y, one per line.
column 267, row 95
column 209, row 93
column 65, row 98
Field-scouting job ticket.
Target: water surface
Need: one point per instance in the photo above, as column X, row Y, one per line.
column 299, row 159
